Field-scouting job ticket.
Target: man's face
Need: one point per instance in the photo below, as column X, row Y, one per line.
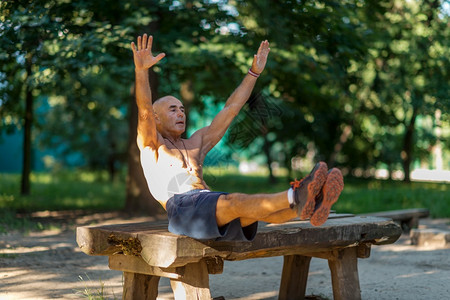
column 170, row 116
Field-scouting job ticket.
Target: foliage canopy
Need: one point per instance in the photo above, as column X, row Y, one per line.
column 360, row 84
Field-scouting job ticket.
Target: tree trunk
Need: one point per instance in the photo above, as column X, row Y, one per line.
column 138, row 198
column 187, row 97
column 266, row 149
column 26, row 167
column 289, row 154
column 111, row 162
column 343, row 138
column 408, row 145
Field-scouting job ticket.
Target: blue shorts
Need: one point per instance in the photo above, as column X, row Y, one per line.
column 194, row 214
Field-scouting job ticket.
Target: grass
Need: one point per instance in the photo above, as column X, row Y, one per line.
column 9, row 220
column 93, row 293
column 358, row 196
column 62, row 191
column 78, row 190
column 74, row 190
column 8, row 256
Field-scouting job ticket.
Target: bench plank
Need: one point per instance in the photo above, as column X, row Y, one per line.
column 146, row 251
column 407, row 218
column 402, row 214
column 135, row 264
column 163, row 249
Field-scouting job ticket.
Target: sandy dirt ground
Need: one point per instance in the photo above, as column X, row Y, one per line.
column 49, row 265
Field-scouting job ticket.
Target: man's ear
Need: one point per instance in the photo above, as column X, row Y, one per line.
column 157, row 118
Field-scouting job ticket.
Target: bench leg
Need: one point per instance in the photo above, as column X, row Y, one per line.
column 139, row 286
column 412, row 223
column 344, row 274
column 294, row 277
column 194, row 284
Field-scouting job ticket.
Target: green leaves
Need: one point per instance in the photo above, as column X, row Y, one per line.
column 369, row 66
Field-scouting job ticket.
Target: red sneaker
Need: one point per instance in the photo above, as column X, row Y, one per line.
column 331, row 190
column 306, row 190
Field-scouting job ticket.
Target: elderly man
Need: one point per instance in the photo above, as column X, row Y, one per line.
column 173, row 166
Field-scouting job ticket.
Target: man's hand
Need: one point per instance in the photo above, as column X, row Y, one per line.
column 260, row 58
column 143, row 57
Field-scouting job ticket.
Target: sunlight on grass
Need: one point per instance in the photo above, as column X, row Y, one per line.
column 62, row 191
column 43, row 178
column 88, row 177
column 358, row 196
column 92, row 191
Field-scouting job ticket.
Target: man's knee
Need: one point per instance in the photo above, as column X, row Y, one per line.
column 232, row 201
column 227, row 208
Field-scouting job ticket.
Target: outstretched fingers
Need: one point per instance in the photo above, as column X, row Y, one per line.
column 142, row 52
column 260, row 58
column 150, row 42
column 160, row 56
column 264, row 49
column 144, row 41
column 139, row 43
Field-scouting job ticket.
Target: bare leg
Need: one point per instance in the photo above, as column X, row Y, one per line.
column 251, row 208
column 278, row 217
column 275, row 208
column 281, row 216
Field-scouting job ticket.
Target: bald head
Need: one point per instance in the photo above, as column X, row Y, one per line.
column 170, row 116
column 165, row 102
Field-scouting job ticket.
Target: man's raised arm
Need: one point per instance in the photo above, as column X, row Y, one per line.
column 147, row 134
column 212, row 134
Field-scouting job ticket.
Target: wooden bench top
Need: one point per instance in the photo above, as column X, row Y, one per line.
column 402, row 214
column 160, row 248
column 407, row 218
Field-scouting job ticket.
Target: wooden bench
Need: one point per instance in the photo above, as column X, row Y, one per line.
column 147, row 251
column 407, row 218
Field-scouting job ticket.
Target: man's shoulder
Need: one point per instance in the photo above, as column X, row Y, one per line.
column 197, row 136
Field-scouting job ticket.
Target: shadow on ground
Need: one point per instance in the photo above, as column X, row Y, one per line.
column 49, row 264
